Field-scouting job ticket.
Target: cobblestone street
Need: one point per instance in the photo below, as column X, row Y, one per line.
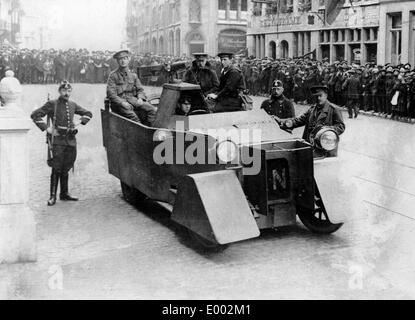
column 102, row 248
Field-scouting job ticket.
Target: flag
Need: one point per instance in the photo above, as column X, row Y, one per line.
column 333, row 8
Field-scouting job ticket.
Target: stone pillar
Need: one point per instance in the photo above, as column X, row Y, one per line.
column 250, row 44
column 300, row 44
column 257, row 47
column 17, row 224
column 263, row 46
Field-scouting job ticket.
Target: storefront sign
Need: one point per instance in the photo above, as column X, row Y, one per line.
column 232, row 41
column 281, row 21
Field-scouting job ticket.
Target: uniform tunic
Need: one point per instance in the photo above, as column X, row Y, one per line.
column 124, row 86
column 64, row 143
column 282, row 108
column 318, row 117
column 231, row 83
column 205, row 77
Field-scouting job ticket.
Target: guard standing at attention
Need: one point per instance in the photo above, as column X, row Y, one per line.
column 61, row 138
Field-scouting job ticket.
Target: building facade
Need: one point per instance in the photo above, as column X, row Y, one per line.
column 10, row 15
column 397, row 31
column 177, row 27
column 380, row 31
column 294, row 28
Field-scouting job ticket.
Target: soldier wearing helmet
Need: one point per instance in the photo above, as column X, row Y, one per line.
column 278, row 105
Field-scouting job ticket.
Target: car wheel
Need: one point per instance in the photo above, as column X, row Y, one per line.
column 317, row 219
column 132, row 195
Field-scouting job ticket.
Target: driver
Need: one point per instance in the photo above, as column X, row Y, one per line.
column 184, row 106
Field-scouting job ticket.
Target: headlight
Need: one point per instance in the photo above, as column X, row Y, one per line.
column 227, row 151
column 162, row 135
column 328, row 140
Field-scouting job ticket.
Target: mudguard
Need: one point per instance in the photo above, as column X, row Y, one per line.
column 214, row 206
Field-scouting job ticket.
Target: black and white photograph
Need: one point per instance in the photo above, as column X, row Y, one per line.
column 207, row 150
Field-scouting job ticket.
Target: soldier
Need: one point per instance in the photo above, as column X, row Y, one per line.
column 126, row 94
column 353, row 88
column 61, row 138
column 201, row 73
column 278, row 105
column 231, row 84
column 322, row 114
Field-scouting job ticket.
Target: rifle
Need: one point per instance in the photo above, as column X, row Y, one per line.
column 50, row 137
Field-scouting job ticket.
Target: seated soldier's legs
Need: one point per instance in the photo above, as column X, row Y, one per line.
column 125, row 112
column 150, row 112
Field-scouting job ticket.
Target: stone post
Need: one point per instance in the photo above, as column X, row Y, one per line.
column 17, row 223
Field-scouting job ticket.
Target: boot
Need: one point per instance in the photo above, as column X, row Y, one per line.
column 65, row 196
column 54, row 181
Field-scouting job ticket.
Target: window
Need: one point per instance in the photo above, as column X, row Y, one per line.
column 234, row 5
column 304, row 5
column 397, row 21
column 257, row 9
column 222, row 4
column 244, row 5
column 287, row 6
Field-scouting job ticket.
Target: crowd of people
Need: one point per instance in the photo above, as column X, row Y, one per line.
column 76, row 66
column 386, row 90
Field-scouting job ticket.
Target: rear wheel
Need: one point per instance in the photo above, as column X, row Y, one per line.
column 317, row 219
column 132, row 195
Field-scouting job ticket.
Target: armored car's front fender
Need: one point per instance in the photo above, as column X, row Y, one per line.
column 214, row 206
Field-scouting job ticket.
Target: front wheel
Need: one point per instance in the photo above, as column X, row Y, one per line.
column 317, row 219
column 132, row 195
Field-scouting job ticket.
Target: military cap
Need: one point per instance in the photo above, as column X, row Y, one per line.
column 316, row 90
column 121, row 54
column 389, row 69
column 225, row 55
column 278, row 84
column 352, row 71
column 65, row 85
column 200, row 54
column 408, row 66
column 185, row 99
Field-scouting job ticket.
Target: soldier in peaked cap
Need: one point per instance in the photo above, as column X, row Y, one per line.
column 61, row 138
column 322, row 114
column 201, row 73
column 126, row 94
